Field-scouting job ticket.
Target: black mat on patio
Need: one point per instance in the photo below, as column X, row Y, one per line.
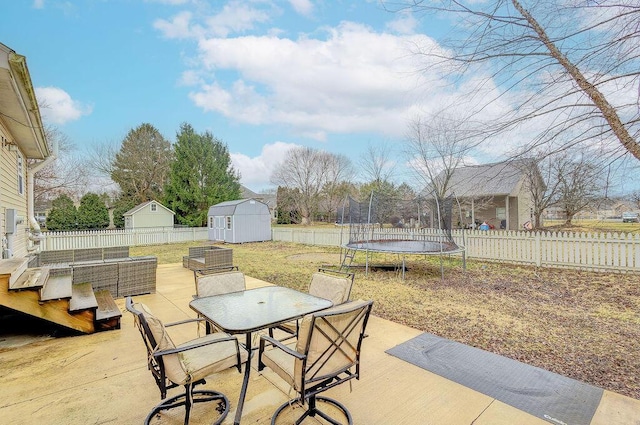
column 549, row 396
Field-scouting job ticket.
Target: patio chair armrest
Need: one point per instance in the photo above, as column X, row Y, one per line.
column 197, row 343
column 277, row 344
column 182, row 322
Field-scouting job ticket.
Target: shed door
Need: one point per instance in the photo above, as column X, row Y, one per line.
column 218, row 228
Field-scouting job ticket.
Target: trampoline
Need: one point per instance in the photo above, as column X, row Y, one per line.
column 402, row 227
column 405, row 247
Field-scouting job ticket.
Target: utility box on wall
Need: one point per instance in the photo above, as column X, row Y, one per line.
column 12, row 221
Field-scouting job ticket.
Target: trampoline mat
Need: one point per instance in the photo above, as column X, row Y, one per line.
column 404, row 246
column 547, row 395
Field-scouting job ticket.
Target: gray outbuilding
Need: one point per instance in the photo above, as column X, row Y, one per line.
column 244, row 220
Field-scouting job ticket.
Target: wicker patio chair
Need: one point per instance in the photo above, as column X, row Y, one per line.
column 186, row 364
column 328, row 284
column 326, row 354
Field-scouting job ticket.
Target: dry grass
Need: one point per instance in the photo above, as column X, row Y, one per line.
column 584, row 325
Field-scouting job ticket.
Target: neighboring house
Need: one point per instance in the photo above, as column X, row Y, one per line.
column 244, row 220
column 497, row 193
column 148, row 214
column 270, row 199
column 22, row 142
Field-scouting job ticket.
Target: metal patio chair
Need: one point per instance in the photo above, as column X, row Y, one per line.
column 187, row 364
column 326, row 354
column 325, row 283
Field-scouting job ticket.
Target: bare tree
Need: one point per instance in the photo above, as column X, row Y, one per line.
column 579, row 183
column 376, row 165
column 435, row 148
column 570, row 67
column 66, row 175
column 541, row 183
column 340, row 172
column 307, row 170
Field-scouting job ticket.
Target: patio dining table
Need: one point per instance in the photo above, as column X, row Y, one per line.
column 246, row 312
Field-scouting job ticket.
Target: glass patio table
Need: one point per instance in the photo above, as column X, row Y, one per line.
column 245, row 312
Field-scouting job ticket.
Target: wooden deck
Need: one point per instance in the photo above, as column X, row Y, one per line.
column 103, row 378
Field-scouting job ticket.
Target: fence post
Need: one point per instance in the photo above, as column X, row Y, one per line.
column 538, row 249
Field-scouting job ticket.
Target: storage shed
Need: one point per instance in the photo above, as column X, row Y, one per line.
column 148, row 214
column 244, row 220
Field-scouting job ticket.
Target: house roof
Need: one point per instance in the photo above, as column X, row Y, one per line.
column 144, row 204
column 496, row 179
column 18, row 103
column 267, row 198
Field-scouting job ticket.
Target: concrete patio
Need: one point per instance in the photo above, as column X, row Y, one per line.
column 103, row 379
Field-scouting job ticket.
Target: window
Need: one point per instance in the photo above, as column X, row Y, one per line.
column 154, row 207
column 228, row 223
column 20, row 176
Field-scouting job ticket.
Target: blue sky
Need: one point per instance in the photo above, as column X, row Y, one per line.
column 261, row 75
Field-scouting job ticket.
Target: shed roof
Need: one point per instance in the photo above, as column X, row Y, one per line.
column 229, row 207
column 144, row 204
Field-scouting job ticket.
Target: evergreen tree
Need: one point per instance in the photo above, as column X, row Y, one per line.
column 63, row 215
column 141, row 166
column 201, row 175
column 92, row 213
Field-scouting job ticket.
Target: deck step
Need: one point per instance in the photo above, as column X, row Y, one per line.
column 57, row 287
column 108, row 314
column 83, row 297
column 33, row 278
column 13, row 268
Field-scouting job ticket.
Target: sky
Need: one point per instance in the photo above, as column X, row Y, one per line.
column 262, row 76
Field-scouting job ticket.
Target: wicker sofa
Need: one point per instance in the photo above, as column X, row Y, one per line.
column 208, row 257
column 105, row 268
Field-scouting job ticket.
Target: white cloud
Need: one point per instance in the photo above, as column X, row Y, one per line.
column 405, row 23
column 340, row 84
column 235, row 17
column 179, row 27
column 303, row 7
column 57, row 106
column 171, row 2
column 38, row 4
column 256, row 172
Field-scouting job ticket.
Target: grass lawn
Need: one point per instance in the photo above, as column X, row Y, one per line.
column 584, row 325
column 590, row 225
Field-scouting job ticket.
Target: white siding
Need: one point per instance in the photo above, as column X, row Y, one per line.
column 9, row 196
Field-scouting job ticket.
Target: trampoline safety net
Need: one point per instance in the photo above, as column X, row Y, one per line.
column 386, row 224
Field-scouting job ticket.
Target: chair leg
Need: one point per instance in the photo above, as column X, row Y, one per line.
column 187, row 400
column 312, row 410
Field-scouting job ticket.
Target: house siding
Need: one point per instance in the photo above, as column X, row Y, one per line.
column 10, row 198
column 147, row 218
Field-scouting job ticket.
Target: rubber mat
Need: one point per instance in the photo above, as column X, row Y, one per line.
column 547, row 395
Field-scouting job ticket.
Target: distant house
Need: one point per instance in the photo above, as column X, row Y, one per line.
column 22, row 138
column 148, row 214
column 244, row 220
column 497, row 193
column 270, row 199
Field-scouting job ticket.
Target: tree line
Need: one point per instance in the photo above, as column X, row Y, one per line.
column 188, row 177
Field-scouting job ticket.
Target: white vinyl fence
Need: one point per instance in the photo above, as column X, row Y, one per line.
column 121, row 237
column 590, row 251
